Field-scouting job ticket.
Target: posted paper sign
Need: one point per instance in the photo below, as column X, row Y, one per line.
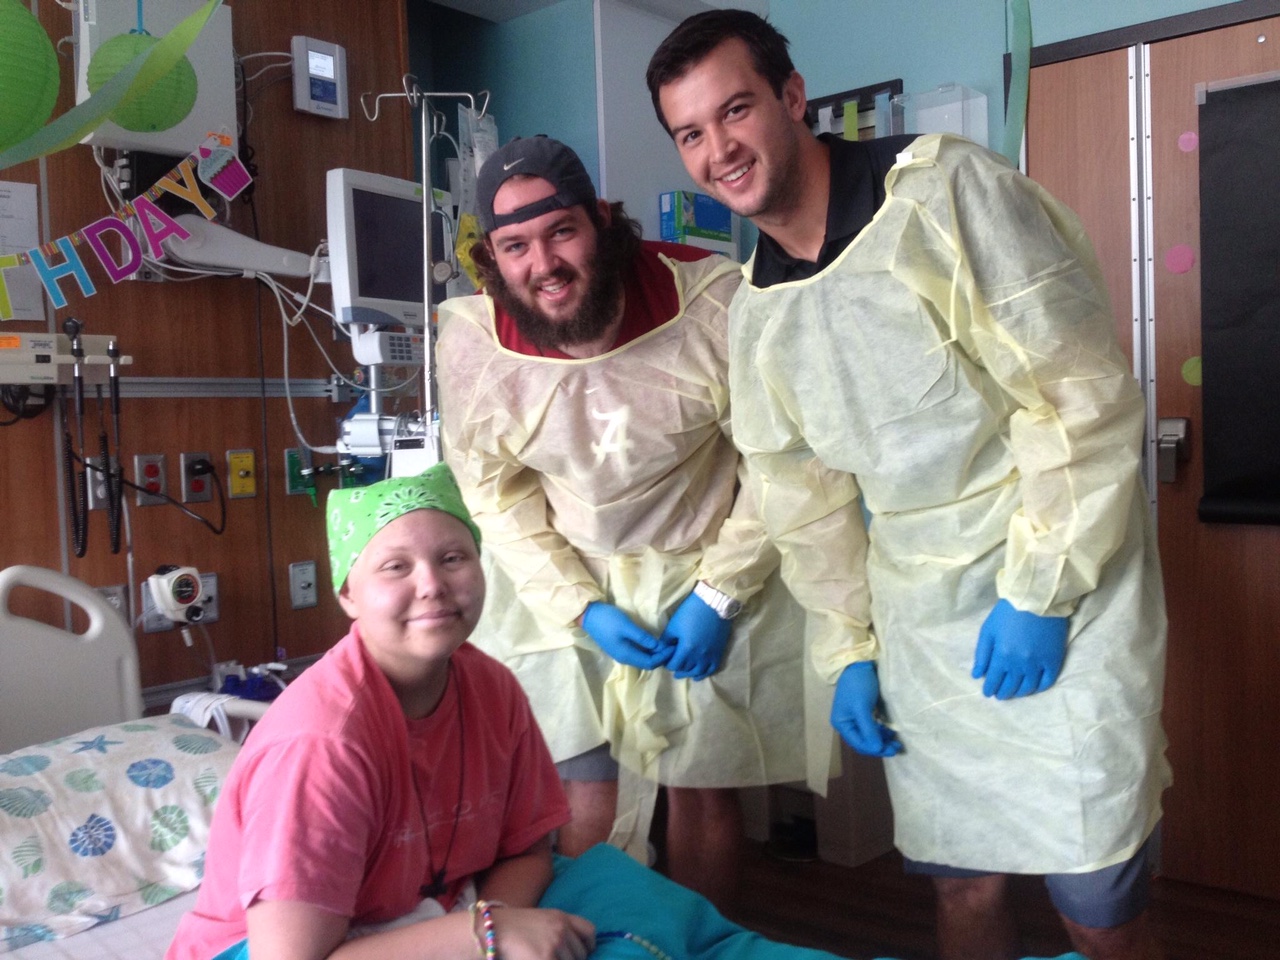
column 20, row 290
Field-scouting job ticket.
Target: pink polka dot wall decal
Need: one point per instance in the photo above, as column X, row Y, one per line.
column 1179, row 259
column 1188, row 141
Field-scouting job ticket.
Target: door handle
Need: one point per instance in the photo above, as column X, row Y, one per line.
column 1173, row 446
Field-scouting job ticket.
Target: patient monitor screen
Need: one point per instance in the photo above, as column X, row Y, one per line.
column 388, row 241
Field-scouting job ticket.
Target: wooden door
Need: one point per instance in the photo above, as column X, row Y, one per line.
column 1222, row 582
column 1078, row 148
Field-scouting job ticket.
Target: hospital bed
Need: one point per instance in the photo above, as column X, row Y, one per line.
column 95, row 756
column 89, row 788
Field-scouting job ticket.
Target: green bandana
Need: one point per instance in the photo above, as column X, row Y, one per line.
column 357, row 513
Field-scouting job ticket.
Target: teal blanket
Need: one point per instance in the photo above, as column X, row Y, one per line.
column 620, row 896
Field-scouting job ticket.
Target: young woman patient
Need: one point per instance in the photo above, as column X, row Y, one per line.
column 398, row 778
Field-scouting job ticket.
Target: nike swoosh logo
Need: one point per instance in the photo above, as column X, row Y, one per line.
column 508, row 166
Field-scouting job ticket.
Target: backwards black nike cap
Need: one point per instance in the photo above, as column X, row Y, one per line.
column 538, row 156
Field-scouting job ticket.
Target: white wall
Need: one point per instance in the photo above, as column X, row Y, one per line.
column 637, row 159
column 838, row 44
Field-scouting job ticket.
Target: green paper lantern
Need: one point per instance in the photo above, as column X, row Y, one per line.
column 164, row 104
column 28, row 74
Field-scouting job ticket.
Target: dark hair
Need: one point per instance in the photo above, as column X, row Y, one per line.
column 697, row 36
column 618, row 243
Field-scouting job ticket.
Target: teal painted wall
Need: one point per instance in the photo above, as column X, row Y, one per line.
column 837, row 45
column 540, row 69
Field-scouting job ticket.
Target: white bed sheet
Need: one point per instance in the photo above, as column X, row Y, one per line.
column 141, row 936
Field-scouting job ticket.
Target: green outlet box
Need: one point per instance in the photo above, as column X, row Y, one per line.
column 294, row 481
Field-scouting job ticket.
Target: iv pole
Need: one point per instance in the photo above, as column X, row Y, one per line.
column 420, row 98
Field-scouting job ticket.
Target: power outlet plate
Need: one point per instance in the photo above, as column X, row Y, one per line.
column 195, row 489
column 209, row 597
column 242, row 478
column 149, row 473
column 294, row 482
column 302, row 584
column 153, row 621
column 118, row 596
column 97, row 480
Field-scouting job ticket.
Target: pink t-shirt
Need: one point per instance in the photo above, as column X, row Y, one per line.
column 324, row 807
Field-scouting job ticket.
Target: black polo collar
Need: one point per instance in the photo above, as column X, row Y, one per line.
column 858, row 169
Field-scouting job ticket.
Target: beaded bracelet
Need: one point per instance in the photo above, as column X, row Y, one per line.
column 471, row 910
column 485, row 909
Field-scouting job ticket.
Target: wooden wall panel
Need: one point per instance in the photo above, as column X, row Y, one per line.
column 1073, row 104
column 1221, row 711
column 299, row 529
column 223, row 328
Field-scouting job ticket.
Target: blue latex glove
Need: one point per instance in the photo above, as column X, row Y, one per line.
column 699, row 635
column 1019, row 653
column 619, row 637
column 853, row 713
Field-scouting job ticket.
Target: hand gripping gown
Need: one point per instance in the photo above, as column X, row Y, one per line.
column 614, row 478
column 957, row 365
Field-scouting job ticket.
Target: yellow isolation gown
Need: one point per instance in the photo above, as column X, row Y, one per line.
column 615, row 478
column 957, row 367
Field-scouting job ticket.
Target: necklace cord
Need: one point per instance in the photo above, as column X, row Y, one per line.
column 437, row 884
column 657, row 952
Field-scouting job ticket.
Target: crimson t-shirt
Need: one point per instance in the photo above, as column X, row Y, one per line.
column 321, row 807
column 651, row 300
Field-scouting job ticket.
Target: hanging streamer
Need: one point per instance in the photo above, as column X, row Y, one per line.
column 213, row 163
column 1015, row 120
column 138, row 76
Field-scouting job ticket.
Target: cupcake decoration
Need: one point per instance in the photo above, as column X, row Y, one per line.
column 220, row 168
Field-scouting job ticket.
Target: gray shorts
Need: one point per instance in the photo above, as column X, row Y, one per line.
column 1104, row 898
column 594, row 766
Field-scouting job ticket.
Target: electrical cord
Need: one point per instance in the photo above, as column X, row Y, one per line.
column 213, row 657
column 278, row 289
column 199, row 468
column 266, row 447
column 115, row 491
column 270, row 284
column 17, row 399
column 77, row 499
column 270, row 66
column 285, row 59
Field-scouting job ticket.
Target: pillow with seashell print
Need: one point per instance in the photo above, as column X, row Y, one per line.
column 105, row 823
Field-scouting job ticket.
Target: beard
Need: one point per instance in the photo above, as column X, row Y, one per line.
column 586, row 324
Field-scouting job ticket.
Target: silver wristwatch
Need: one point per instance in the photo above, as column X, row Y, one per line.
column 725, row 606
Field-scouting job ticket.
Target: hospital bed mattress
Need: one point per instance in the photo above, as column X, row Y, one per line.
column 141, row 936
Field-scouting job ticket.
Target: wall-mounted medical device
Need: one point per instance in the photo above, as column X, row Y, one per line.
column 212, row 246
column 370, row 346
column 177, row 592
column 47, row 358
column 375, row 248
column 319, row 77
column 210, row 55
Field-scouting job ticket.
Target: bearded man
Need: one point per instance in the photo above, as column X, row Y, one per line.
column 585, row 411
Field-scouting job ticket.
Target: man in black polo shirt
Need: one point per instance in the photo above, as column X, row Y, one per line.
column 927, row 329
